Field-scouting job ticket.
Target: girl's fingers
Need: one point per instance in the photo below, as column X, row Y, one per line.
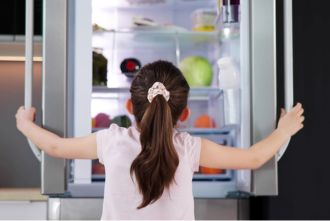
column 297, row 108
column 21, row 108
column 300, row 112
column 302, row 118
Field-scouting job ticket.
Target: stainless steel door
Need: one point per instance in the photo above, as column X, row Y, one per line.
column 263, row 87
column 263, row 83
column 67, row 83
column 55, row 85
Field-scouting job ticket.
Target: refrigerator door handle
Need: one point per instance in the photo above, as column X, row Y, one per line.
column 28, row 80
column 288, row 64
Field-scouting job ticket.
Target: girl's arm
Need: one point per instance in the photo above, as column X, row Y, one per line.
column 52, row 144
column 218, row 156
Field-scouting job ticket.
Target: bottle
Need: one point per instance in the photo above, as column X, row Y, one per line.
column 229, row 82
column 228, row 74
column 230, row 11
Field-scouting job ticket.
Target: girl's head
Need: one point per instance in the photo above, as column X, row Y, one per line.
column 155, row 166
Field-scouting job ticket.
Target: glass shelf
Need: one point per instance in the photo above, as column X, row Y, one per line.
column 195, row 92
column 107, row 90
column 214, row 177
column 165, row 4
column 225, row 130
column 150, row 34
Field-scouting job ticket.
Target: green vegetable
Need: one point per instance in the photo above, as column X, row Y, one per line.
column 197, row 70
column 122, row 121
column 99, row 69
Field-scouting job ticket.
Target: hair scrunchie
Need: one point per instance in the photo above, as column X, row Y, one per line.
column 158, row 88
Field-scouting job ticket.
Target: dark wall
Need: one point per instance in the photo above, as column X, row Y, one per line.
column 304, row 177
column 12, row 17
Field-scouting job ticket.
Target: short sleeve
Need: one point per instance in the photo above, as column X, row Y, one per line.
column 104, row 140
column 193, row 149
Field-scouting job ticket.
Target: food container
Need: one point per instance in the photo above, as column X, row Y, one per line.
column 204, row 19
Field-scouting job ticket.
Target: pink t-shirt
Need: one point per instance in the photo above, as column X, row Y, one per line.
column 117, row 147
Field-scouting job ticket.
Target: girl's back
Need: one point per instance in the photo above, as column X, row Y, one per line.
column 117, row 147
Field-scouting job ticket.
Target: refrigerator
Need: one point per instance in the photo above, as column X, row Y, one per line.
column 87, row 46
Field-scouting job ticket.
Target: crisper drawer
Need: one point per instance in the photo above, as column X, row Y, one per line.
column 224, row 136
column 206, row 106
column 210, row 182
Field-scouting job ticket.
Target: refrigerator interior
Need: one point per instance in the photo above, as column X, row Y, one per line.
column 215, row 110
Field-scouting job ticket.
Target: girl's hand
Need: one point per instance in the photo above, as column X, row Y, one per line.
column 290, row 123
column 24, row 115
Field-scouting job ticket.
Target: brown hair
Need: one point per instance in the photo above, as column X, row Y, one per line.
column 155, row 166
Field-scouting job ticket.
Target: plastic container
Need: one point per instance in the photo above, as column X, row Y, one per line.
column 204, row 19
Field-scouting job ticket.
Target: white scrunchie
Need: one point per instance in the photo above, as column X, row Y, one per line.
column 158, row 88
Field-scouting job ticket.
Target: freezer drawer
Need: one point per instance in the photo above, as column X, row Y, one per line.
column 23, row 210
column 91, row 208
column 74, row 208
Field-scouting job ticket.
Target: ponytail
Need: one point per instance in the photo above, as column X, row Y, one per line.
column 155, row 166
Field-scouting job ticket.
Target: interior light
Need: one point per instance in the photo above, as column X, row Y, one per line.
column 226, row 32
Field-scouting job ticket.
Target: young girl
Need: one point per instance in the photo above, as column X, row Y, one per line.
column 149, row 168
